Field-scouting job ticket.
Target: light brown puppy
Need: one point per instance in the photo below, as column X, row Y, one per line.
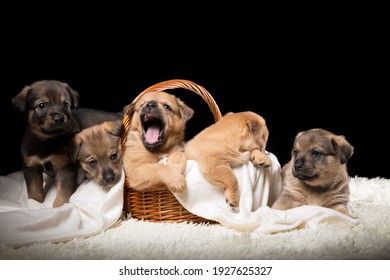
column 232, row 141
column 154, row 147
column 317, row 172
column 98, row 152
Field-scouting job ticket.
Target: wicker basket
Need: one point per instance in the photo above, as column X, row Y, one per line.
column 157, row 203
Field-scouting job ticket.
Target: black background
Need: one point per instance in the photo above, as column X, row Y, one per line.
column 297, row 76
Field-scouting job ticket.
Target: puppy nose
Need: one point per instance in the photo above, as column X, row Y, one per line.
column 298, row 164
column 109, row 176
column 59, row 118
column 151, row 105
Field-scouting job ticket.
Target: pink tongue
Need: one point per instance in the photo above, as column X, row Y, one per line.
column 151, row 135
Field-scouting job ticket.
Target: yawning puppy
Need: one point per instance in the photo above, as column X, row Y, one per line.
column 154, row 147
column 317, row 172
column 97, row 150
column 232, row 141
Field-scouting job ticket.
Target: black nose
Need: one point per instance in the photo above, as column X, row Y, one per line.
column 151, row 105
column 109, row 176
column 298, row 164
column 59, row 118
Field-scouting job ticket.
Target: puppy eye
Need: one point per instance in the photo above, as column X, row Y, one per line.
column 66, row 105
column 41, row 106
column 167, row 106
column 114, row 156
column 92, row 163
column 295, row 152
column 316, row 153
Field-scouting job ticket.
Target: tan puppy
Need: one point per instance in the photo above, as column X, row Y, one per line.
column 317, row 172
column 154, row 147
column 232, row 141
column 98, row 152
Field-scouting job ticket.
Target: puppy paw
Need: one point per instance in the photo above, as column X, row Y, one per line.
column 232, row 199
column 178, row 186
column 38, row 197
column 233, row 206
column 58, row 202
column 259, row 158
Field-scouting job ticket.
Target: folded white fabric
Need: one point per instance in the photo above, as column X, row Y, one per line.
column 259, row 187
column 91, row 209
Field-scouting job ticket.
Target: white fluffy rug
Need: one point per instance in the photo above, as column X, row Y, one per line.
column 134, row 239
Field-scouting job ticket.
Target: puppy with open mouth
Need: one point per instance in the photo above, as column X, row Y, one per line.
column 317, row 172
column 154, row 146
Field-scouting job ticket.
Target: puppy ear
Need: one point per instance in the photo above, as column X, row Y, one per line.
column 20, row 100
column 256, row 129
column 185, row 111
column 75, row 96
column 114, row 128
column 342, row 147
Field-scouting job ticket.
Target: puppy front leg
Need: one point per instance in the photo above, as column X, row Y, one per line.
column 260, row 158
column 224, row 177
column 178, row 161
column 66, row 185
column 34, row 181
column 141, row 176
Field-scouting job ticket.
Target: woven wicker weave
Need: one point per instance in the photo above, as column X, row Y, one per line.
column 157, row 203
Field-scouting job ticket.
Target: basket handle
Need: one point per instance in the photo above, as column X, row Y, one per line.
column 174, row 84
column 185, row 84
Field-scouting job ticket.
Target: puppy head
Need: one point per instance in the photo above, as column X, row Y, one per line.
column 320, row 156
column 48, row 105
column 160, row 119
column 257, row 129
column 98, row 152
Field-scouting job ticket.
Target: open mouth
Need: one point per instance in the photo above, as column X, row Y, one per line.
column 152, row 134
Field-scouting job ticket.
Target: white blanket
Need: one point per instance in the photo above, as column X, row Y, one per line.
column 258, row 189
column 93, row 209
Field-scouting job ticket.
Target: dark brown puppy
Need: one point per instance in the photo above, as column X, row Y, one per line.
column 154, row 147
column 317, row 172
column 50, row 126
column 98, row 152
column 49, row 107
